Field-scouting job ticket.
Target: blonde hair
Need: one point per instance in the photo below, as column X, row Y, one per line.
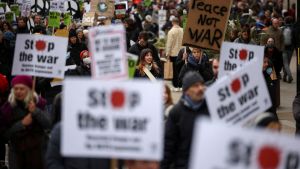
column 13, row 101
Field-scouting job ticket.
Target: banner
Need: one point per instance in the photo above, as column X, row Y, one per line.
column 206, row 25
column 16, row 9
column 108, row 50
column 234, row 55
column 67, row 19
column 54, row 19
column 132, row 61
column 217, row 146
column 89, row 19
column 112, row 119
column 40, row 55
column 237, row 98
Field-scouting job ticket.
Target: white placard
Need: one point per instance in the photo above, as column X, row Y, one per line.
column 40, row 55
column 54, row 5
column 217, row 146
column 112, row 119
column 234, row 55
column 108, row 50
column 162, row 18
column 237, row 98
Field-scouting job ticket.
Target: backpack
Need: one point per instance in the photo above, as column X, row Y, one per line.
column 287, row 33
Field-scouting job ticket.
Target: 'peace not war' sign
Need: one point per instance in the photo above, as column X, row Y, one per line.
column 237, row 98
column 206, row 23
column 234, row 55
column 107, row 45
column 237, row 148
column 112, row 119
column 39, row 55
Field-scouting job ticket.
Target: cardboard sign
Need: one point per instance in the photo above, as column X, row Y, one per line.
column 103, row 8
column 132, row 61
column 235, row 55
column 54, row 19
column 16, row 9
column 206, row 25
column 89, row 19
column 67, row 19
column 62, row 33
column 217, row 146
column 40, row 55
column 108, row 50
column 10, row 17
column 237, row 98
column 112, row 119
column 120, row 10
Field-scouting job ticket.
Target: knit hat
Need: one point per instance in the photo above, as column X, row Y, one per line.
column 190, row 78
column 72, row 33
column 148, row 18
column 264, row 119
column 82, row 52
column 25, row 80
column 3, row 84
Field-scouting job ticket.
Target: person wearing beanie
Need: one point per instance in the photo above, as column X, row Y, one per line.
column 180, row 123
column 75, row 47
column 23, row 124
column 84, row 69
column 197, row 61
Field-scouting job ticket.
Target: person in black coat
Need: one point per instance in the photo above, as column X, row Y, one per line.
column 84, row 69
column 6, row 57
column 22, row 26
column 75, row 47
column 132, row 32
column 180, row 124
column 142, row 43
column 197, row 62
column 147, row 62
column 274, row 55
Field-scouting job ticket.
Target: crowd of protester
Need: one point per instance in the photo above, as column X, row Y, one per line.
column 30, row 117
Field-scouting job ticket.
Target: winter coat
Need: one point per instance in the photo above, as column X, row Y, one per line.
column 54, row 159
column 277, row 35
column 79, row 71
column 132, row 34
column 136, row 49
column 6, row 58
column 174, row 41
column 22, row 30
column 25, row 142
column 276, row 59
column 137, row 74
column 75, row 52
column 179, row 132
column 204, row 68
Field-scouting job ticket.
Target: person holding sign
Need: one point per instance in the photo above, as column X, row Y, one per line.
column 147, row 68
column 75, row 47
column 84, row 69
column 180, row 124
column 24, row 122
column 197, row 61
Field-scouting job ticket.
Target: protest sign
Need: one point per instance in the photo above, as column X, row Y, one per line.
column 237, row 98
column 10, row 17
column 62, row 33
column 217, row 146
column 54, row 5
column 162, row 19
column 108, row 50
column 61, row 6
column 89, row 19
column 40, row 55
column 132, row 61
column 206, row 25
column 72, row 6
column 103, row 8
column 147, row 3
column 112, row 119
column 16, row 9
column 40, row 6
column 234, row 55
column 26, row 8
column 54, row 19
column 67, row 19
column 120, row 10
column 2, row 7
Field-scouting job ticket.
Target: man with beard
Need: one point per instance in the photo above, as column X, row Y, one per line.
column 180, row 124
